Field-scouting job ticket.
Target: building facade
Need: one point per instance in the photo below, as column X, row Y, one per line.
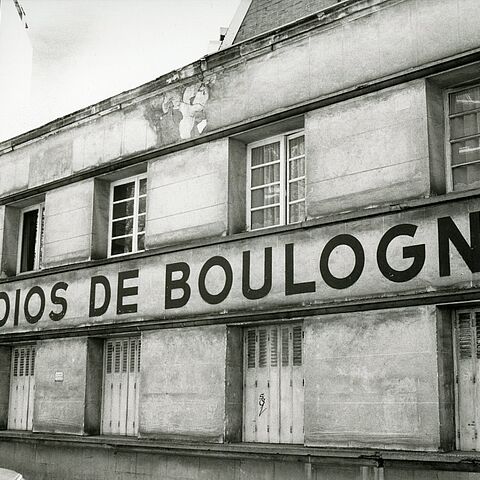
column 265, row 265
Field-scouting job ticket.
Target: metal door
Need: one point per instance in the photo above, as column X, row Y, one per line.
column 120, row 386
column 273, row 384
column 467, row 352
column 22, row 388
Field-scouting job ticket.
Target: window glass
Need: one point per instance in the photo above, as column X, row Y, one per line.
column 127, row 221
column 277, row 182
column 31, row 238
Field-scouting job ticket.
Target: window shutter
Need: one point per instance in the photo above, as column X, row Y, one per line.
column 32, row 369
column 22, row 361
column 464, row 335
column 124, row 356
column 297, row 346
column 251, row 348
column 285, row 347
column 262, row 348
column 109, row 357
column 132, row 356
column 16, row 356
column 139, row 343
column 27, row 361
column 274, row 347
column 117, row 357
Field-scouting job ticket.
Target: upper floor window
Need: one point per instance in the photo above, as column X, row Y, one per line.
column 128, row 201
column 276, row 181
column 32, row 220
column 464, row 137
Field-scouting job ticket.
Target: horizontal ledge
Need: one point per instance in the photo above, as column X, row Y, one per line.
column 451, row 461
column 422, row 71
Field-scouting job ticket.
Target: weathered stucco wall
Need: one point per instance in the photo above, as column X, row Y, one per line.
column 60, row 405
column 68, row 224
column 188, row 195
column 368, row 151
column 258, row 82
column 371, row 379
column 182, row 391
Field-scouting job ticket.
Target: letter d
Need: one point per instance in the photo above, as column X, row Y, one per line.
column 97, row 311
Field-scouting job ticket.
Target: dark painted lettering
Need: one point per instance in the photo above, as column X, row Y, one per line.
column 34, row 318
column 214, row 299
column 95, row 311
column 177, row 284
column 349, row 280
column 416, row 252
column 56, row 300
column 6, row 301
column 17, row 307
column 292, row 288
column 257, row 293
column 123, row 292
column 449, row 232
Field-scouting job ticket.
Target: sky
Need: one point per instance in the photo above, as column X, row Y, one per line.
column 88, row 50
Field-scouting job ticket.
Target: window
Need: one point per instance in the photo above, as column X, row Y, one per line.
column 22, row 387
column 273, row 384
column 120, row 386
column 464, row 137
column 467, row 354
column 276, row 181
column 127, row 215
column 30, row 245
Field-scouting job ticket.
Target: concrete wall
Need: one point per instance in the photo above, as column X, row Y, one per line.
column 68, row 224
column 371, row 379
column 340, row 55
column 368, row 151
column 182, row 391
column 60, row 405
column 188, row 195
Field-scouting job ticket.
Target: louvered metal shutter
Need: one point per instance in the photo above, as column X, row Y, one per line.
column 120, row 386
column 22, row 388
column 273, row 384
column 467, row 347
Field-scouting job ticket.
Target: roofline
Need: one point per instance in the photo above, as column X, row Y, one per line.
column 236, row 23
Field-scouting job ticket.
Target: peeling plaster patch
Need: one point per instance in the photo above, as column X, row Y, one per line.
column 184, row 110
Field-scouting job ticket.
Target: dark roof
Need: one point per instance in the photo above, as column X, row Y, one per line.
column 265, row 15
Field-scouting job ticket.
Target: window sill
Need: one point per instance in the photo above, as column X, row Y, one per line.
column 452, row 461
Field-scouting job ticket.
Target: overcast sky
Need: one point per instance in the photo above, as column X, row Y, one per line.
column 87, row 50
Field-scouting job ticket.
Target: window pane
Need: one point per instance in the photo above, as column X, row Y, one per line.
column 465, row 125
column 297, row 212
column 122, row 227
column 142, row 205
column 121, row 245
column 141, row 242
column 296, row 147
column 266, row 196
column 297, row 168
column 120, row 192
column 141, row 223
column 297, row 190
column 29, row 240
column 263, row 175
column 466, row 177
column 143, row 186
column 123, row 209
column 266, row 217
column 466, row 152
column 465, row 100
column 266, row 153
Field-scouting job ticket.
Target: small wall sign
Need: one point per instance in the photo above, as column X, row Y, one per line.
column 59, row 376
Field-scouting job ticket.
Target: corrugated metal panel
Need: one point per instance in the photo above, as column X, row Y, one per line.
column 22, row 388
column 273, row 384
column 120, row 386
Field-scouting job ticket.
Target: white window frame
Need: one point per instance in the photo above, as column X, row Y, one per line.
column 40, row 207
column 448, row 141
column 136, row 179
column 285, row 181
